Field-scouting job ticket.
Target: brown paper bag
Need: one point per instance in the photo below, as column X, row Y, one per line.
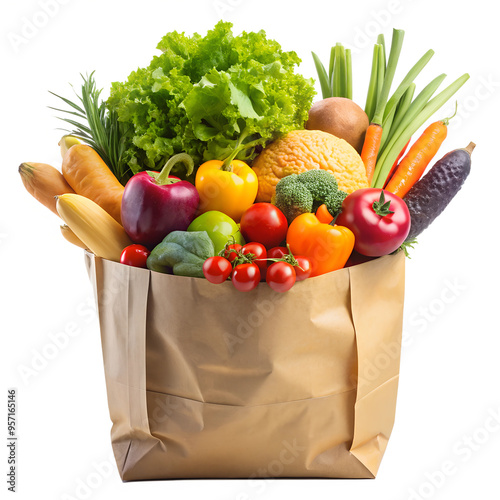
column 207, row 382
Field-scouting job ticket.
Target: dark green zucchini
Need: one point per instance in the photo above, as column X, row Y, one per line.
column 432, row 193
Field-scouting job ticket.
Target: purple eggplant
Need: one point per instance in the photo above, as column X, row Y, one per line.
column 155, row 203
column 432, row 193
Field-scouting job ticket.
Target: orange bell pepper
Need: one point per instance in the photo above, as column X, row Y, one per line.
column 323, row 214
column 231, row 190
column 327, row 247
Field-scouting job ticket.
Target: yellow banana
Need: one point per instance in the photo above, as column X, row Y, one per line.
column 66, row 142
column 97, row 230
column 70, row 236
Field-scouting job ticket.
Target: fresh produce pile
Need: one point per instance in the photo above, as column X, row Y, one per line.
column 213, row 162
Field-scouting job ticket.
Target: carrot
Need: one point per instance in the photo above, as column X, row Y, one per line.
column 44, row 182
column 418, row 113
column 403, row 151
column 373, row 135
column 370, row 149
column 89, row 176
column 415, row 162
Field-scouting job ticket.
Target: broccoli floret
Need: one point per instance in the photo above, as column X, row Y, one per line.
column 301, row 193
column 292, row 197
column 320, row 183
column 334, row 202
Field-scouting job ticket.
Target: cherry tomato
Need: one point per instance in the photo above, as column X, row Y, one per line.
column 379, row 220
column 260, row 253
column 245, row 277
column 264, row 223
column 305, row 264
column 217, row 269
column 230, row 256
column 277, row 252
column 135, row 256
column 280, row 276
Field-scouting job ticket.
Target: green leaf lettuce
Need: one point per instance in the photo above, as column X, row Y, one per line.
column 208, row 95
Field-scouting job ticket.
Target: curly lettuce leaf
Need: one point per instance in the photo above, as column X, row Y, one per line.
column 208, row 95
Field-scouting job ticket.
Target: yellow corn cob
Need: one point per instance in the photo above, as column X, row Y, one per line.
column 72, row 237
column 97, row 230
column 66, row 142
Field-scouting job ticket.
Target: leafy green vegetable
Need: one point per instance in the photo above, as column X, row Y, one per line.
column 183, row 252
column 208, row 95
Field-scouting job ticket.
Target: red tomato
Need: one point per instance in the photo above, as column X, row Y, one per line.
column 245, row 277
column 379, row 220
column 305, row 268
column 135, row 256
column 264, row 223
column 277, row 252
column 217, row 269
column 230, row 256
column 260, row 253
column 280, row 276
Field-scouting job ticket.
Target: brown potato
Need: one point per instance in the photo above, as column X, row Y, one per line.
column 340, row 117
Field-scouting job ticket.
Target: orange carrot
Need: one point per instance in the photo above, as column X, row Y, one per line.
column 413, row 165
column 44, row 182
column 373, row 136
column 370, row 149
column 86, row 172
column 393, row 168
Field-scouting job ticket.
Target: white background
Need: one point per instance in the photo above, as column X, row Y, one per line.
column 449, row 387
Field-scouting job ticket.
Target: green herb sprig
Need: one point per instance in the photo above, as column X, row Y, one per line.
column 97, row 126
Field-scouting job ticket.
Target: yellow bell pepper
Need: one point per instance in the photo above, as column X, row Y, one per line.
column 229, row 189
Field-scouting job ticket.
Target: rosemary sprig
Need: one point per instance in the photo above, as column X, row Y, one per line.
column 97, row 126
